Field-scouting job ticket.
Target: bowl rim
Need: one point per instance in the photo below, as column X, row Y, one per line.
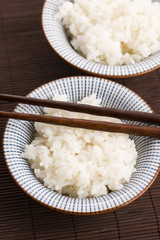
column 87, row 71
column 67, row 211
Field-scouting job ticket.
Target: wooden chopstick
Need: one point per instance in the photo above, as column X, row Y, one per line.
column 151, row 118
column 82, row 123
column 87, row 124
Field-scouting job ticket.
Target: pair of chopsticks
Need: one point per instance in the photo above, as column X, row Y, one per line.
column 151, row 118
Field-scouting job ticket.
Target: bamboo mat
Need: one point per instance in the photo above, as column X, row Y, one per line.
column 26, row 62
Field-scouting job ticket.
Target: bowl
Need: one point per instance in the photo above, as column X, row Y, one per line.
column 56, row 36
column 19, row 133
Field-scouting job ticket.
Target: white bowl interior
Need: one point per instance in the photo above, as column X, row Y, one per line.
column 19, row 133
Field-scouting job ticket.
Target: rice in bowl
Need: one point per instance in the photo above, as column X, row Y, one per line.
column 78, row 162
column 112, row 32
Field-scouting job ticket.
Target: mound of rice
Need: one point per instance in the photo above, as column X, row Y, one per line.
column 79, row 162
column 112, row 32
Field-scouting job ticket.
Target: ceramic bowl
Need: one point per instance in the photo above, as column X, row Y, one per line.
column 58, row 40
column 19, row 133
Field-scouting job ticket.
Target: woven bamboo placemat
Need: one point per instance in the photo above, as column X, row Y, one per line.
column 26, row 62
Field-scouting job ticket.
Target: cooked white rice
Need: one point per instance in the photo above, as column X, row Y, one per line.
column 112, row 32
column 78, row 162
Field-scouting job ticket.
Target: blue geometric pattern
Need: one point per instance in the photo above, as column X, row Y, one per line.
column 19, row 133
column 57, row 38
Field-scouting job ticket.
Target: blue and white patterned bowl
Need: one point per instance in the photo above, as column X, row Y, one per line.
column 19, row 133
column 56, row 36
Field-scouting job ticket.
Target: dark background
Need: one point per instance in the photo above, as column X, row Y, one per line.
column 26, row 62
